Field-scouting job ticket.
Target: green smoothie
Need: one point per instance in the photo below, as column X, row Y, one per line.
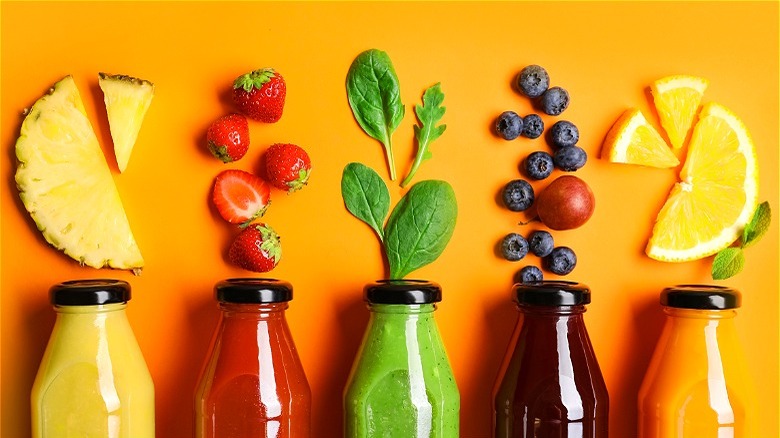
column 401, row 385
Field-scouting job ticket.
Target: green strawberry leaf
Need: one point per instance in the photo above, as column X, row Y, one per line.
column 254, row 79
column 758, row 225
column 728, row 263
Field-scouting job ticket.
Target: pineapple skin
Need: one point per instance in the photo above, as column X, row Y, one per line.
column 65, row 184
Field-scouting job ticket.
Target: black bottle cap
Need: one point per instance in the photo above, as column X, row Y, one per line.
column 552, row 293
column 402, row 292
column 253, row 291
column 701, row 296
column 89, row 292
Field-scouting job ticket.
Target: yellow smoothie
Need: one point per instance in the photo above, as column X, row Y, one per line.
column 697, row 384
column 93, row 381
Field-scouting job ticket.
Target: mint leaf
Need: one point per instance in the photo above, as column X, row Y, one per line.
column 758, row 225
column 728, row 263
column 428, row 114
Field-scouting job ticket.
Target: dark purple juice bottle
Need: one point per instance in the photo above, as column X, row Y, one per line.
column 550, row 385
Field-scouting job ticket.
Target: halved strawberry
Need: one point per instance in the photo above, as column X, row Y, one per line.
column 240, row 197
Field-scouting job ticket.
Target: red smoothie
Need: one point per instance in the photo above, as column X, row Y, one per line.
column 253, row 385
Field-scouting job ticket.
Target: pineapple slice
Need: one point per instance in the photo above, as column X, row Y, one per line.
column 127, row 99
column 66, row 185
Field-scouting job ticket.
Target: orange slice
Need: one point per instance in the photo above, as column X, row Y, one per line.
column 677, row 98
column 633, row 140
column 717, row 195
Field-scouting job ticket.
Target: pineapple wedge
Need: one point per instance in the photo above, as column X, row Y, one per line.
column 127, row 99
column 66, row 185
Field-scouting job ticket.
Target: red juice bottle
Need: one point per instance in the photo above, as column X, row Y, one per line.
column 253, row 384
column 550, row 385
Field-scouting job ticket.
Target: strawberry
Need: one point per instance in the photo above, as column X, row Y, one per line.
column 228, row 137
column 256, row 248
column 288, row 166
column 260, row 94
column 240, row 197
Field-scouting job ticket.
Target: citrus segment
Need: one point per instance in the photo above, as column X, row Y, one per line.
column 633, row 140
column 66, row 185
column 717, row 195
column 677, row 98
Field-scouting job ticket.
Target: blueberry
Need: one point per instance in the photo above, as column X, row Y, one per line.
column 554, row 101
column 561, row 260
column 518, row 195
column 538, row 165
column 533, row 81
column 509, row 125
column 514, row 247
column 541, row 243
column 563, row 133
column 570, row 158
column 533, row 126
column 529, row 274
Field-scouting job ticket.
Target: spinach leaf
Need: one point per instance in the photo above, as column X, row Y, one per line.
column 365, row 196
column 420, row 227
column 428, row 114
column 375, row 98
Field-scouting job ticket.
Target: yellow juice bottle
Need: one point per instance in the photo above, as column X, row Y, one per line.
column 697, row 384
column 92, row 381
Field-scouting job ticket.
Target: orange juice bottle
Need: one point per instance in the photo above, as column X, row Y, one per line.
column 697, row 385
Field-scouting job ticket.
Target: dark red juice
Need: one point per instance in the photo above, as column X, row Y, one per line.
column 550, row 385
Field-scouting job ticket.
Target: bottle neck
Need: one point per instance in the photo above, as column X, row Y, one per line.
column 551, row 312
column 268, row 311
column 401, row 309
column 550, row 323
column 699, row 314
column 75, row 311
column 79, row 320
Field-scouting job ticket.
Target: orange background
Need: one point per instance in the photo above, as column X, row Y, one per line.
column 605, row 54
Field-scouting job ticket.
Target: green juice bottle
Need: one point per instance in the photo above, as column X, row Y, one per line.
column 401, row 384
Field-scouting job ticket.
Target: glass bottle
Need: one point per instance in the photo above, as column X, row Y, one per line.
column 401, row 384
column 697, row 384
column 253, row 384
column 550, row 385
column 92, row 381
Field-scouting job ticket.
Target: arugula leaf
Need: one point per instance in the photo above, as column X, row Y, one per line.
column 728, row 263
column 365, row 196
column 758, row 225
column 420, row 227
column 428, row 114
column 375, row 98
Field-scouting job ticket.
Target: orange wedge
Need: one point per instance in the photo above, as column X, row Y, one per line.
column 717, row 195
column 633, row 140
column 677, row 98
